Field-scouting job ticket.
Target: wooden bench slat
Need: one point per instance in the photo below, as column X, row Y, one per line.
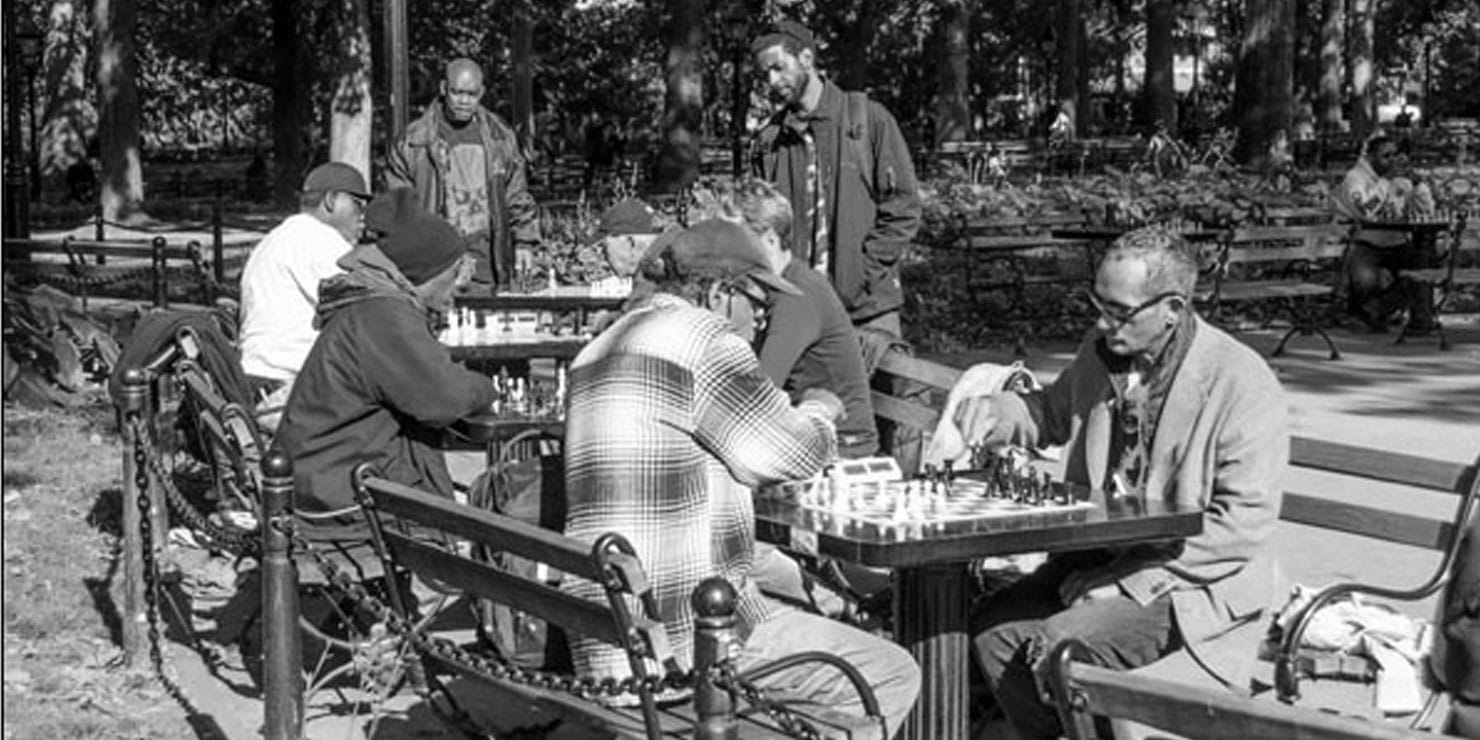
column 905, row 412
column 1367, row 521
column 1393, row 467
column 1244, row 291
column 1214, row 715
column 464, row 574
column 485, row 527
column 930, row 373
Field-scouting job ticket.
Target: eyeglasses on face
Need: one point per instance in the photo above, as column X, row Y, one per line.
column 1121, row 315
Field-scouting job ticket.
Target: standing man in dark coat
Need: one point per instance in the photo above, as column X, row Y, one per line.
column 844, row 164
column 464, row 163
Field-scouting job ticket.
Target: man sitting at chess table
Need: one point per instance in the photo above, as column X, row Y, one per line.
column 377, row 387
column 669, row 426
column 625, row 231
column 1160, row 404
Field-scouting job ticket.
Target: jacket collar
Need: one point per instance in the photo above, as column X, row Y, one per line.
column 829, row 106
column 1185, row 402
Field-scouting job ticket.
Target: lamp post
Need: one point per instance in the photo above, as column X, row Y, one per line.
column 17, row 203
column 737, row 31
column 32, row 47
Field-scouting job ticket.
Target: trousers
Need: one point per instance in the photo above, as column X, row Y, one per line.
column 887, row 667
column 1014, row 630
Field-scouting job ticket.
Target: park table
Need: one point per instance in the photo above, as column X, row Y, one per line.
column 1438, row 276
column 1109, row 233
column 932, row 576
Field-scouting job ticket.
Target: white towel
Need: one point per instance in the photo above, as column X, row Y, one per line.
column 984, row 379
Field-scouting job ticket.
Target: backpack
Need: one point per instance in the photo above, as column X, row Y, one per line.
column 530, row 489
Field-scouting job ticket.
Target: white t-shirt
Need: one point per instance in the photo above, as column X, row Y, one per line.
column 280, row 292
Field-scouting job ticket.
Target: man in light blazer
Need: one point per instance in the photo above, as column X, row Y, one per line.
column 1157, row 404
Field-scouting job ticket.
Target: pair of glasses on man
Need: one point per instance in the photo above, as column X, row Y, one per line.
column 760, row 303
column 1120, row 315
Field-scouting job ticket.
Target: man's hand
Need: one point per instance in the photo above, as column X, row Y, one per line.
column 995, row 421
column 1084, row 586
column 823, row 403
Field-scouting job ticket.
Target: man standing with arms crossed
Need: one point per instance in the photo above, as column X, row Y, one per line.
column 464, row 163
column 842, row 161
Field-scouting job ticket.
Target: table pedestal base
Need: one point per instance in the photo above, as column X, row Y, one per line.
column 930, row 616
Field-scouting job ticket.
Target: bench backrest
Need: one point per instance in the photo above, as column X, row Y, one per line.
column 402, row 518
column 1084, row 692
column 227, row 434
column 1387, row 522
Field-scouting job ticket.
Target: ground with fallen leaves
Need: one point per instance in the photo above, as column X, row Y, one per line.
column 63, row 673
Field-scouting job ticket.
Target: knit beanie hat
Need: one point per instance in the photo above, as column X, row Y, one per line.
column 630, row 216
column 419, row 243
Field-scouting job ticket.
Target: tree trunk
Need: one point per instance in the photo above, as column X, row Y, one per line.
column 1066, row 85
column 522, row 43
column 121, row 182
column 1363, row 102
column 1333, row 43
column 1264, row 88
column 953, row 109
column 352, row 107
column 853, row 54
column 287, row 108
column 678, row 165
column 1161, row 100
column 68, row 119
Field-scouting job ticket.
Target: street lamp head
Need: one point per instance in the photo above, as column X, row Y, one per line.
column 31, row 42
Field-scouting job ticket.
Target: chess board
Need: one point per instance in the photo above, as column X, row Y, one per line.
column 918, row 507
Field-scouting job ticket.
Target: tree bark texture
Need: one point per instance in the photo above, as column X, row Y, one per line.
column 952, row 107
column 121, row 182
column 1070, row 48
column 1333, row 43
column 68, row 117
column 1359, row 66
column 678, row 165
column 856, row 43
column 352, row 108
column 1161, row 100
column 288, row 119
column 1264, row 85
column 522, row 43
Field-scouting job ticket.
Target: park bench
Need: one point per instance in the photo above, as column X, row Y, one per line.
column 86, row 270
column 1448, row 277
column 1379, row 502
column 1293, row 266
column 420, row 533
column 1086, row 695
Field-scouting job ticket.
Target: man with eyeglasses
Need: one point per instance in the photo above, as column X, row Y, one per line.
column 1160, row 404
column 669, row 425
column 280, row 282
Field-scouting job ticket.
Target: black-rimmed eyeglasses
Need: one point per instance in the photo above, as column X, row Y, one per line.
column 1122, row 315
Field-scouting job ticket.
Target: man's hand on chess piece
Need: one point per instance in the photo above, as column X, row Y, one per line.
column 996, row 421
column 1091, row 584
column 823, row 404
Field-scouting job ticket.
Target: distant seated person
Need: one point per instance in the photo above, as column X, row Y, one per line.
column 280, row 282
column 808, row 340
column 378, row 388
column 669, row 427
column 626, row 230
column 1376, row 189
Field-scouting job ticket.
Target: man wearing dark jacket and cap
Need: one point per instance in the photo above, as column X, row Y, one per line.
column 377, row 386
column 464, row 163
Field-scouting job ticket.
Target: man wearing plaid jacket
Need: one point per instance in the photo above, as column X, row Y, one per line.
column 670, row 425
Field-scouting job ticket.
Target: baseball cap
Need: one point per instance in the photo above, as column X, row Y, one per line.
column 713, row 248
column 337, row 176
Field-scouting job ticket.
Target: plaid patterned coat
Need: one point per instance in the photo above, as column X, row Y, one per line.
column 669, row 426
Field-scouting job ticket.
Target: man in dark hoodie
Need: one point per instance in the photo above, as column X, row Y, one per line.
column 377, row 386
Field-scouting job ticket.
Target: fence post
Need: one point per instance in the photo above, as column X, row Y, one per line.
column 714, row 641
column 98, row 227
column 282, row 664
column 131, row 401
column 161, row 283
column 218, row 242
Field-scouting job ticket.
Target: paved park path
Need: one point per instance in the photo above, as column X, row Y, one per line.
column 1410, row 398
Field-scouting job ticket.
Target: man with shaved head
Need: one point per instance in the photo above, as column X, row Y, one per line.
column 464, row 163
